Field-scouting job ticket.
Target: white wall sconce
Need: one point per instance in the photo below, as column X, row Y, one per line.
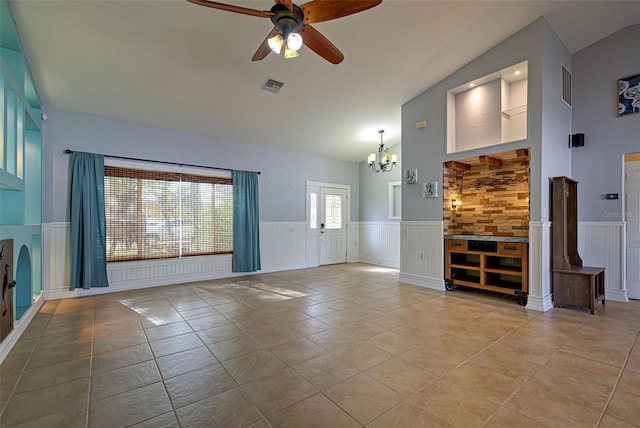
column 455, row 203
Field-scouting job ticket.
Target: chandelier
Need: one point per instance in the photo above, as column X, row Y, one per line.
column 383, row 161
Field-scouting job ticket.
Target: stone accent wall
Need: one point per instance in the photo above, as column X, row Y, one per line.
column 494, row 200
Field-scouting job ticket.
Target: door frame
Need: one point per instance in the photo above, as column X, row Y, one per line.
column 634, row 157
column 315, row 261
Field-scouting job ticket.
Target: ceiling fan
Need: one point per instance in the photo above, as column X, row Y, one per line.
column 292, row 25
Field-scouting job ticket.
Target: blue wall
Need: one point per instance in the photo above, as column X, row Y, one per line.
column 283, row 173
column 374, row 189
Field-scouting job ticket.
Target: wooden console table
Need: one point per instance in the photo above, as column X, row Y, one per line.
column 488, row 264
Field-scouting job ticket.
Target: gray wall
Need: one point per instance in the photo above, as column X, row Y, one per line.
column 556, row 118
column 374, row 189
column 598, row 165
column 283, row 173
column 425, row 149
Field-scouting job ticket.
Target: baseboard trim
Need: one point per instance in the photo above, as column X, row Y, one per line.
column 616, row 295
column 155, row 282
column 392, row 263
column 542, row 304
column 421, row 281
column 12, row 338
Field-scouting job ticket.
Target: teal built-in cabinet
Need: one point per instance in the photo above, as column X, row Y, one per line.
column 20, row 180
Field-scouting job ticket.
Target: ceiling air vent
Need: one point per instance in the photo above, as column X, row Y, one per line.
column 272, row 86
column 565, row 86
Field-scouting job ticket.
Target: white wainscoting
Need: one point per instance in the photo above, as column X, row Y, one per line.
column 380, row 243
column 55, row 258
column 422, row 253
column 282, row 247
column 353, row 246
column 602, row 244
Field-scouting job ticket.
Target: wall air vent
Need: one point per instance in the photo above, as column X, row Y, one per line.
column 565, row 86
column 272, row 85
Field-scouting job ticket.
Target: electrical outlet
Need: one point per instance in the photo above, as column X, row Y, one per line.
column 422, row 255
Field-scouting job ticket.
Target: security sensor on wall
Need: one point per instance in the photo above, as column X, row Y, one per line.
column 44, row 116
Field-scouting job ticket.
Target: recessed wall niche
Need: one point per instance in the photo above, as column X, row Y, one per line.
column 489, row 110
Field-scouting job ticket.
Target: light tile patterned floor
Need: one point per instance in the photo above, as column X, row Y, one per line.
column 336, row 346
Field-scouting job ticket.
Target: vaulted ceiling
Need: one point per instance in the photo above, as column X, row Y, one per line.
column 173, row 64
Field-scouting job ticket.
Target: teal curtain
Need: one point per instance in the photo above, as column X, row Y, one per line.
column 88, row 222
column 246, row 222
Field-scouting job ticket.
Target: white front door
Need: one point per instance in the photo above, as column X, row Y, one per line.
column 632, row 217
column 333, row 228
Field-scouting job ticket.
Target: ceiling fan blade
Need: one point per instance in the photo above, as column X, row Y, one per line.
column 320, row 44
column 286, row 3
column 325, row 10
column 264, row 49
column 233, row 8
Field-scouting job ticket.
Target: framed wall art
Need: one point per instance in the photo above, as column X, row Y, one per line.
column 411, row 176
column 430, row 189
column 629, row 95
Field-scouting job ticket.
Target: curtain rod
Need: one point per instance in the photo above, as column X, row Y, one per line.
column 69, row 151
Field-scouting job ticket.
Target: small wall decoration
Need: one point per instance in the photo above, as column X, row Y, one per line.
column 629, row 95
column 430, row 189
column 411, row 176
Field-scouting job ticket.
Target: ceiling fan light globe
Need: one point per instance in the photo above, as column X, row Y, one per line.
column 275, row 43
column 294, row 41
column 290, row 53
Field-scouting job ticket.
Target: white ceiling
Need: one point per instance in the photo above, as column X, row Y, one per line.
column 173, row 64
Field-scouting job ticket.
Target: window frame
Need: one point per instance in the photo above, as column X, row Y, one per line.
column 219, row 176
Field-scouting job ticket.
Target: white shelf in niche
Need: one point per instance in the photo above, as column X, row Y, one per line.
column 513, row 111
column 488, row 110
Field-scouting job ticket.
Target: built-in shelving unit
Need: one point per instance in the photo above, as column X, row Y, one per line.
column 488, row 110
column 20, row 173
column 494, row 265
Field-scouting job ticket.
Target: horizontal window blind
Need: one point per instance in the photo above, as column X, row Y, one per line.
column 157, row 214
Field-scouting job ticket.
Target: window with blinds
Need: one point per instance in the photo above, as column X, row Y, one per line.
column 156, row 214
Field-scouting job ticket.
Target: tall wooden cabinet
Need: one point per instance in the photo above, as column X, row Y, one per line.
column 573, row 285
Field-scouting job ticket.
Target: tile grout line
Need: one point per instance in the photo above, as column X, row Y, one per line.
column 468, row 360
column 540, row 368
column 615, row 386
column 155, row 360
column 24, row 368
column 249, row 302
